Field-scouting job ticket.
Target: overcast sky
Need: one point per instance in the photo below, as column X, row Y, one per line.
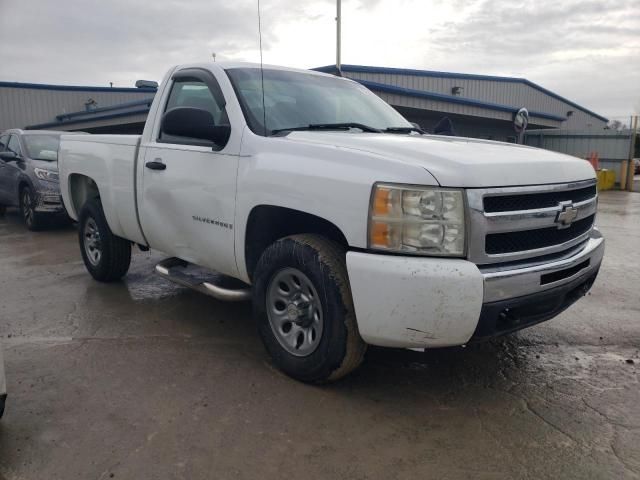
column 586, row 50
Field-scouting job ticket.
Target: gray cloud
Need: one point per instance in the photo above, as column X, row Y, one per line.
column 118, row 41
column 586, row 50
column 491, row 27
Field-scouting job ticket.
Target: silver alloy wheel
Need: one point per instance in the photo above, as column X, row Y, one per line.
column 27, row 207
column 92, row 242
column 294, row 311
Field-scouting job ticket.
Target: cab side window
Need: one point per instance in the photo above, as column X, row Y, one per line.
column 14, row 145
column 191, row 92
column 4, row 139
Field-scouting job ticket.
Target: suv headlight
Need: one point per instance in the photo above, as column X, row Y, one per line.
column 418, row 220
column 48, row 175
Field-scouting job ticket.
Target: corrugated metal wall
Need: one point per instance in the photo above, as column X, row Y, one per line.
column 437, row 106
column 500, row 92
column 608, row 144
column 612, row 147
column 20, row 107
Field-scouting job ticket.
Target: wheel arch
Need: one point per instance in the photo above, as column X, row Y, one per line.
column 81, row 188
column 21, row 186
column 23, row 183
column 268, row 223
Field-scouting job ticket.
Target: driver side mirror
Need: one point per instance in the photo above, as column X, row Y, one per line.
column 194, row 123
column 9, row 156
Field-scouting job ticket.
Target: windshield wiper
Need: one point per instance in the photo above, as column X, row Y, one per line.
column 329, row 126
column 403, row 130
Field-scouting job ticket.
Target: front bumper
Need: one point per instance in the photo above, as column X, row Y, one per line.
column 506, row 316
column 421, row 302
column 49, row 202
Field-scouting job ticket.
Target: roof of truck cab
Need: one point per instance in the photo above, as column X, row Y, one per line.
column 232, row 65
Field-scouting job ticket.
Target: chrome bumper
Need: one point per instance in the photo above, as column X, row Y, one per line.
column 501, row 283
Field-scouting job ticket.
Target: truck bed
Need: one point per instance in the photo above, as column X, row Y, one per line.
column 110, row 160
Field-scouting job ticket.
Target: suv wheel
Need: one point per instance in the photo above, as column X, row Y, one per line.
column 32, row 220
column 303, row 305
column 106, row 256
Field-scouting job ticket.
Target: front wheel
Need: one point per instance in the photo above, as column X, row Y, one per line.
column 304, row 309
column 32, row 220
column 106, row 256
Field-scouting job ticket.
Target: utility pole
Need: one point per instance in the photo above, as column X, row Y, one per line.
column 338, row 36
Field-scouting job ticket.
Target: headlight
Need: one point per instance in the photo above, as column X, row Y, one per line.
column 48, row 175
column 419, row 220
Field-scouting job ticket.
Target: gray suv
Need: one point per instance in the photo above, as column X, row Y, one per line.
column 29, row 175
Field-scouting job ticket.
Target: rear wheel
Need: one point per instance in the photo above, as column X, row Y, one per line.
column 106, row 256
column 32, row 220
column 304, row 309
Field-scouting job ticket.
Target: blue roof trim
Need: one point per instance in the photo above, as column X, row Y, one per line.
column 416, row 73
column 462, row 76
column 91, row 119
column 119, row 106
column 382, row 87
column 74, row 88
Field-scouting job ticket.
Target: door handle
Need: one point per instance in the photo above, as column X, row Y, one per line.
column 155, row 165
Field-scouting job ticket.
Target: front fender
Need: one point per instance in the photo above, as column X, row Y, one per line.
column 329, row 182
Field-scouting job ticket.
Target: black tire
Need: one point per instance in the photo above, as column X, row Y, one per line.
column 3, row 399
column 3, row 210
column 34, row 221
column 114, row 252
column 340, row 348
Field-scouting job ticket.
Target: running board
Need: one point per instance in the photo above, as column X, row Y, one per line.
column 216, row 285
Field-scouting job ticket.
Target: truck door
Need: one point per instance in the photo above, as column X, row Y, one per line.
column 188, row 192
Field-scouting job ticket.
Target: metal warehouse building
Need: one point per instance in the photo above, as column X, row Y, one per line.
column 60, row 107
column 479, row 106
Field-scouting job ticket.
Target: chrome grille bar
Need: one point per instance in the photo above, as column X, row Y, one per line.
column 486, row 223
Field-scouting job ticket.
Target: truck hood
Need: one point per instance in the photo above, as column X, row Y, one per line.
column 458, row 161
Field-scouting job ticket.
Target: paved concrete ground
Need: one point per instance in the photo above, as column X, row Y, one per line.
column 144, row 379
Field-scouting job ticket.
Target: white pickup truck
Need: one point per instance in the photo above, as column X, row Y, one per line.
column 344, row 223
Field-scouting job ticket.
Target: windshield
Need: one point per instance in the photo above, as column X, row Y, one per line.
column 42, row 147
column 297, row 100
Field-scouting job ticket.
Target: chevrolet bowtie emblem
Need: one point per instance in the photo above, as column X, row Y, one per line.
column 566, row 215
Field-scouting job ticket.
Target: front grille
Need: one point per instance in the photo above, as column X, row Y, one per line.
column 519, row 225
column 509, row 242
column 512, row 203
